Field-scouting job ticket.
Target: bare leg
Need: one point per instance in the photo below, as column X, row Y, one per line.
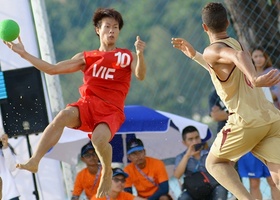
column 223, row 171
column 67, row 117
column 100, row 140
column 255, row 188
column 275, row 193
column 274, row 170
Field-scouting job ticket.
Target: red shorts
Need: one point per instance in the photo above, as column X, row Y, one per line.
column 94, row 111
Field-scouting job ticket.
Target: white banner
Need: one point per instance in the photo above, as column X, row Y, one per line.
column 49, row 178
column 20, row 12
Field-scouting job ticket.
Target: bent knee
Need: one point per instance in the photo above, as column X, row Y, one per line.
column 69, row 117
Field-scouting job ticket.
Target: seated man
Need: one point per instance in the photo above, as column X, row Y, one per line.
column 87, row 179
column 116, row 192
column 148, row 175
column 193, row 160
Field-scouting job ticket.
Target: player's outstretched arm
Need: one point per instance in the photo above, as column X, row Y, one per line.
column 221, row 54
column 139, row 65
column 68, row 66
column 244, row 62
column 188, row 50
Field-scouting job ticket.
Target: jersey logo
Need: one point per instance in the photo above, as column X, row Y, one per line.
column 103, row 72
column 123, row 59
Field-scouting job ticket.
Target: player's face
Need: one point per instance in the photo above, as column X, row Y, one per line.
column 109, row 31
column 259, row 59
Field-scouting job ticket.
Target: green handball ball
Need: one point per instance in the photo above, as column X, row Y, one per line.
column 9, row 30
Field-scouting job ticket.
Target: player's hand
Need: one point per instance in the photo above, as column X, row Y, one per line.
column 184, row 46
column 139, row 45
column 16, row 47
column 267, row 80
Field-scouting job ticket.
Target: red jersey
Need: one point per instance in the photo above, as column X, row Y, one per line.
column 107, row 75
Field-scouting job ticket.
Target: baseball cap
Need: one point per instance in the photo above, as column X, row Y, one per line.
column 134, row 145
column 86, row 148
column 119, row 171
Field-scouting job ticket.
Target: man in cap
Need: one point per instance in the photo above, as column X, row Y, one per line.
column 148, row 175
column 87, row 179
column 116, row 192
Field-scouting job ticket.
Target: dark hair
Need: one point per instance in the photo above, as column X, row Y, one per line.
column 214, row 15
column 12, row 149
column 268, row 62
column 188, row 129
column 101, row 13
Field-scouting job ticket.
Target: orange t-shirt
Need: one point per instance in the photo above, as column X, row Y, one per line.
column 155, row 170
column 121, row 196
column 85, row 181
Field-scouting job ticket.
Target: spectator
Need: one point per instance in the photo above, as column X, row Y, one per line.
column 148, row 175
column 193, row 160
column 7, row 167
column 116, row 192
column 263, row 64
column 87, row 179
column 250, row 166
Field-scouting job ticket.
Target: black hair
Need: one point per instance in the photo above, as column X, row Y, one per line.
column 188, row 129
column 214, row 15
column 101, row 13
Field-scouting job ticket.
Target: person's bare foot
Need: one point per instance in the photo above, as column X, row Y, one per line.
column 104, row 185
column 31, row 166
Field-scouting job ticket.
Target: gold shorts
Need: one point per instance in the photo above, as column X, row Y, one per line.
column 234, row 141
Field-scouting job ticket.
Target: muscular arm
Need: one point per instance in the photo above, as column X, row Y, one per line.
column 223, row 58
column 68, row 66
column 138, row 64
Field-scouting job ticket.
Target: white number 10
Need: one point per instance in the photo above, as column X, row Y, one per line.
column 123, row 59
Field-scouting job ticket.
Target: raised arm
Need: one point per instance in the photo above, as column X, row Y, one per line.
column 219, row 54
column 188, row 50
column 138, row 64
column 68, row 66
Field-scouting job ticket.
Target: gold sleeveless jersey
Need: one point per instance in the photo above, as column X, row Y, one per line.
column 247, row 105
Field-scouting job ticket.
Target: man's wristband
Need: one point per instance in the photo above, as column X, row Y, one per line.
column 199, row 59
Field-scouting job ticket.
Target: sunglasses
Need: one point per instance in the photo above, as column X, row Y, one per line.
column 122, row 180
column 88, row 155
